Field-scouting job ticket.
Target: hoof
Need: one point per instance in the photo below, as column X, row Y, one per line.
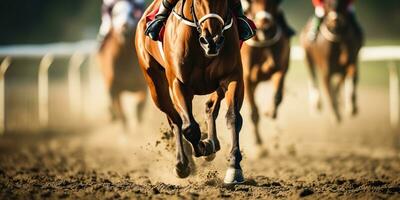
column 205, row 148
column 210, row 157
column 233, row 176
column 182, row 173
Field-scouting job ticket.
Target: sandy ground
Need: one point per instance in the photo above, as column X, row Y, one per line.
column 308, row 157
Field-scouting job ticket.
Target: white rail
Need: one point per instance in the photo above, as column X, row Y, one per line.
column 78, row 52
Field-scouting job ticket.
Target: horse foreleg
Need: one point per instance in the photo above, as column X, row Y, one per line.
column 277, row 80
column 182, row 169
column 117, row 109
column 331, row 97
column 212, row 109
column 255, row 116
column 350, row 90
column 234, row 99
column 159, row 91
column 182, row 101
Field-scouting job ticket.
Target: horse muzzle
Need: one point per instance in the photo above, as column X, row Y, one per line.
column 212, row 45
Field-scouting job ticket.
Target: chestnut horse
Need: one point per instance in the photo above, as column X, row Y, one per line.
column 119, row 62
column 200, row 55
column 265, row 57
column 334, row 52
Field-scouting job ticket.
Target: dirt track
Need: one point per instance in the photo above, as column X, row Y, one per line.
column 82, row 167
column 307, row 157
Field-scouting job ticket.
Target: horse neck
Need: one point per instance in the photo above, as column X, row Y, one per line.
column 184, row 8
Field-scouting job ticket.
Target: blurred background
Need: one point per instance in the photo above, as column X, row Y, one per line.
column 45, row 21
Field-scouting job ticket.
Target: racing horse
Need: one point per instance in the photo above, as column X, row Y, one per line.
column 333, row 53
column 199, row 55
column 265, row 57
column 119, row 64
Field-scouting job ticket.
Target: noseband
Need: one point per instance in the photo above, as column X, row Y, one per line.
column 266, row 43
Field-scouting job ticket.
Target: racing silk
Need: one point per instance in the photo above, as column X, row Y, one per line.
column 320, row 11
column 317, row 3
column 106, row 9
column 106, row 12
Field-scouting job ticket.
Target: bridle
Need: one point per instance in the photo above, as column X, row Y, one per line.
column 197, row 23
column 266, row 43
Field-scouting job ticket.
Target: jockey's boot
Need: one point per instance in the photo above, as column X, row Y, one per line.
column 314, row 29
column 154, row 27
column 353, row 21
column 246, row 30
column 288, row 31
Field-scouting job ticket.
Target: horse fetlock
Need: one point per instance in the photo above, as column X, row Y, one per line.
column 192, row 133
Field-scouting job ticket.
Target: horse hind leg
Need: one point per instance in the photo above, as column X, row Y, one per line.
column 314, row 92
column 159, row 90
column 212, row 108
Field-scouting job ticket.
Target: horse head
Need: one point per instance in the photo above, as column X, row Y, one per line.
column 212, row 19
column 263, row 12
column 123, row 20
column 335, row 21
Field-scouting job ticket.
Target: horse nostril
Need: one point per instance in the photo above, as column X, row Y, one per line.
column 219, row 40
column 203, row 40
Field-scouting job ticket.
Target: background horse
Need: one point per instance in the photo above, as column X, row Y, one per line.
column 334, row 52
column 119, row 62
column 265, row 57
column 200, row 55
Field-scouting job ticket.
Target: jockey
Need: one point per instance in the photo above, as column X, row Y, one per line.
column 320, row 14
column 106, row 9
column 154, row 27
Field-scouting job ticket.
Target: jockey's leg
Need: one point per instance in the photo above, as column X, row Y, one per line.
column 246, row 30
column 353, row 21
column 285, row 26
column 154, row 27
column 316, row 23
